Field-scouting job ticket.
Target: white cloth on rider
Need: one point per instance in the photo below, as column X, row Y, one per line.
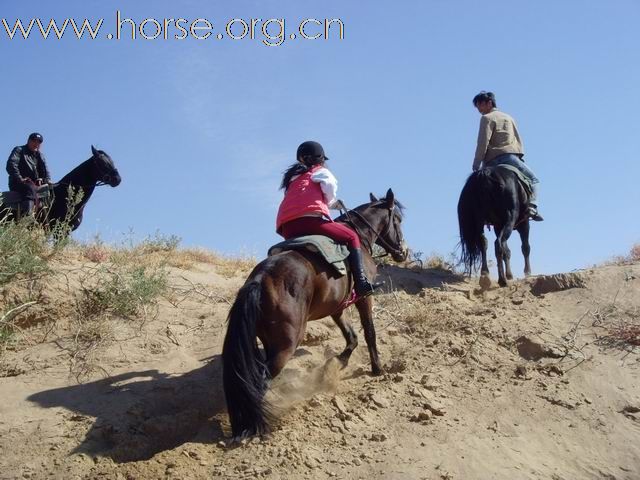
column 328, row 183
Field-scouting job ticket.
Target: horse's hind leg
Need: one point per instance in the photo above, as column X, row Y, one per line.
column 506, row 254
column 349, row 335
column 503, row 254
column 365, row 309
column 279, row 348
column 523, row 230
column 485, row 280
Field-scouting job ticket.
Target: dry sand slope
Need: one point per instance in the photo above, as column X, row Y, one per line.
column 503, row 384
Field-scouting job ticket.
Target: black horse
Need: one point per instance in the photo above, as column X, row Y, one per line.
column 493, row 196
column 73, row 191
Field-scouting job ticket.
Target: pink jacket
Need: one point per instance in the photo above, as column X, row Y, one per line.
column 304, row 197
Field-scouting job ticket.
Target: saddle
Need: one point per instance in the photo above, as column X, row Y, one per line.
column 333, row 253
column 12, row 199
column 522, row 178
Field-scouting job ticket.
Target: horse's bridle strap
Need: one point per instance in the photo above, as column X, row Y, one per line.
column 378, row 236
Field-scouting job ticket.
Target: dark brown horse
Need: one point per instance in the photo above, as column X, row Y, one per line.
column 285, row 291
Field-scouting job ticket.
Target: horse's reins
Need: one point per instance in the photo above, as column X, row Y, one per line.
column 378, row 235
column 351, row 297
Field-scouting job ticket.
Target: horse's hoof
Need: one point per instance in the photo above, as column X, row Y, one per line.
column 344, row 359
column 509, row 276
column 485, row 282
column 376, row 371
column 502, row 283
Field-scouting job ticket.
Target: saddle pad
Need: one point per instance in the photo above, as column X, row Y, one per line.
column 526, row 183
column 334, row 253
column 12, row 197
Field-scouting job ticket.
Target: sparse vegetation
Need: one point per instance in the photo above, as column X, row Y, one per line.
column 124, row 290
column 632, row 257
column 435, row 261
column 23, row 251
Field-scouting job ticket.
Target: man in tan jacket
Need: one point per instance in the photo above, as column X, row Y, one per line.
column 499, row 143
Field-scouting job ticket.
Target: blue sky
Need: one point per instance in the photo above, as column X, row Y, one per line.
column 201, row 130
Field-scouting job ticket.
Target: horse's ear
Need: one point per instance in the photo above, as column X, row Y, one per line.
column 93, row 150
column 390, row 199
column 372, row 197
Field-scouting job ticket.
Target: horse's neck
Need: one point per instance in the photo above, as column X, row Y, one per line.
column 61, row 192
column 79, row 179
column 367, row 235
column 79, row 176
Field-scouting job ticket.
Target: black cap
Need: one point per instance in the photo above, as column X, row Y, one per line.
column 36, row 136
column 311, row 148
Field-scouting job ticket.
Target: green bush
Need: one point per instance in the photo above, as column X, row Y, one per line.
column 125, row 290
column 23, row 250
column 6, row 334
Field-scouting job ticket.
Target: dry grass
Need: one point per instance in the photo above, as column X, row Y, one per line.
column 620, row 326
column 225, row 266
column 161, row 250
column 632, row 257
column 94, row 292
column 433, row 261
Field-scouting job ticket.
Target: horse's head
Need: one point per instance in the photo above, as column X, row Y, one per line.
column 103, row 168
column 385, row 217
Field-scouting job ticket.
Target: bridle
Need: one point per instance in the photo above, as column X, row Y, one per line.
column 106, row 177
column 379, row 236
column 103, row 174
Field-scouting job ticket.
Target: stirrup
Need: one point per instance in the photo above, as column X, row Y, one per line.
column 367, row 288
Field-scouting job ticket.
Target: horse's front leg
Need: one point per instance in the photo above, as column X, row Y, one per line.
column 349, row 335
column 523, row 230
column 365, row 309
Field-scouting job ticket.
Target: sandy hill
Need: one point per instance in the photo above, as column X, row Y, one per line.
column 539, row 380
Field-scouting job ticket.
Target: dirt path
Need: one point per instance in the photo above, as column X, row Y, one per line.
column 496, row 385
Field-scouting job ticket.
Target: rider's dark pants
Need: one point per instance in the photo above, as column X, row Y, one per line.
column 29, row 193
column 320, row 226
column 515, row 161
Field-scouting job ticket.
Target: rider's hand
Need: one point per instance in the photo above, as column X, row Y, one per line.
column 338, row 205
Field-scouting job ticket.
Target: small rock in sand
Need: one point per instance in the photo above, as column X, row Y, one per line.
column 379, row 401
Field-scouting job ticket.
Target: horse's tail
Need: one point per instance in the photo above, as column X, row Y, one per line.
column 244, row 370
column 476, row 191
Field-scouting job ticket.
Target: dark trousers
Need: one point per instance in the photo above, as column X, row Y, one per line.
column 29, row 193
column 319, row 226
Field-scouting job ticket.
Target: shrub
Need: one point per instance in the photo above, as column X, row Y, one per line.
column 23, row 250
column 124, row 290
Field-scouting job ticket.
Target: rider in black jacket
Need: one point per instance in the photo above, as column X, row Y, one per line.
column 27, row 169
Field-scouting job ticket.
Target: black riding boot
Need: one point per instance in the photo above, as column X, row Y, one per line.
column 362, row 285
column 532, row 211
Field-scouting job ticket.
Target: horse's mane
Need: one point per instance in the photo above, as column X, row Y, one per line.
column 74, row 175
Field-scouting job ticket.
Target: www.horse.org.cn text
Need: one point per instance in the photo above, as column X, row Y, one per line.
column 271, row 32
